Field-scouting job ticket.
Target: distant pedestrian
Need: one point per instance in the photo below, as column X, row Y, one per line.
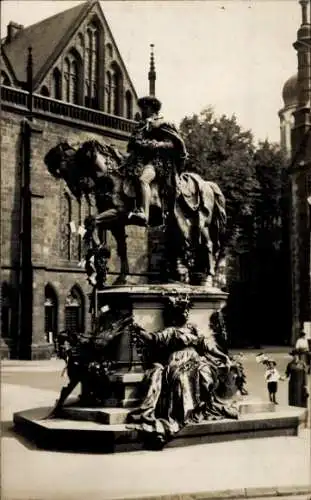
column 296, row 371
column 303, row 347
column 272, row 376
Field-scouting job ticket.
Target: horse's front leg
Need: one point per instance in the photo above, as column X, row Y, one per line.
column 120, row 237
column 109, row 217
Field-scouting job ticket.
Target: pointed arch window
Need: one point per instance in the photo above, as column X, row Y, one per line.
column 109, row 50
column 71, row 77
column 50, row 314
column 91, row 68
column 45, row 91
column 129, row 105
column 80, row 40
column 74, row 310
column 117, row 89
column 57, row 84
column 66, row 216
column 108, row 92
column 74, row 82
column 66, row 77
column 115, row 95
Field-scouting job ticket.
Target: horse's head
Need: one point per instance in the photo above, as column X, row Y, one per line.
column 59, row 160
column 98, row 159
column 63, row 162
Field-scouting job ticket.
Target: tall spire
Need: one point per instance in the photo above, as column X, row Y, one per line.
column 303, row 48
column 300, row 181
column 305, row 9
column 152, row 74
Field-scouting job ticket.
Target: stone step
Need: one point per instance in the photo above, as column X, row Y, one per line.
column 108, row 438
column 108, row 416
column 249, row 406
column 118, row 415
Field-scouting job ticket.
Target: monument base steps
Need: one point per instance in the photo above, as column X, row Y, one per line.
column 104, row 430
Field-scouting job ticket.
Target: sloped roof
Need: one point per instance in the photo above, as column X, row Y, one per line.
column 45, row 38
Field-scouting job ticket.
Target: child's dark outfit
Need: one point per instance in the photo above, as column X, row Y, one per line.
column 272, row 377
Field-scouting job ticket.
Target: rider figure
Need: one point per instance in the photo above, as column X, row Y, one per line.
column 155, row 151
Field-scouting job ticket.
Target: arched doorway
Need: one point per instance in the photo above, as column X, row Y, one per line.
column 74, row 310
column 50, row 314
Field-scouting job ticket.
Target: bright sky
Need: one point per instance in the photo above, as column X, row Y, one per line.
column 234, row 55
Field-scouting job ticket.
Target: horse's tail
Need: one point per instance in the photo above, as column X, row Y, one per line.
column 219, row 220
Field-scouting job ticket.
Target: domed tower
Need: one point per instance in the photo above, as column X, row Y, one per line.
column 300, row 180
column 290, row 99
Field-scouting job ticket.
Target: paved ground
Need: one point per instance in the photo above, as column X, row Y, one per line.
column 26, row 373
column 221, row 470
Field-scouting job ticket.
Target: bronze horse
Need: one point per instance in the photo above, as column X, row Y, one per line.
column 192, row 210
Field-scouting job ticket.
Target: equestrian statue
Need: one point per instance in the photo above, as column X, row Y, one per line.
column 146, row 187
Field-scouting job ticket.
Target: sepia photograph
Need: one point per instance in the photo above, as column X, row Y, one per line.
column 155, row 249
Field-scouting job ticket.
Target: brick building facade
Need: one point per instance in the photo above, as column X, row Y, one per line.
column 81, row 89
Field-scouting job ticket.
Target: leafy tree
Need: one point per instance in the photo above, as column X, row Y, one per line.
column 269, row 162
column 252, row 180
column 219, row 150
column 272, row 243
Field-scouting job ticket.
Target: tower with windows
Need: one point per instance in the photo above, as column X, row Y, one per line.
column 295, row 125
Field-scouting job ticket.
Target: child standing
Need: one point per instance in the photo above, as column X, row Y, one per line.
column 272, row 376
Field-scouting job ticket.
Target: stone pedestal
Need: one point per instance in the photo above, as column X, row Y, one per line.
column 103, row 429
column 125, row 389
column 145, row 304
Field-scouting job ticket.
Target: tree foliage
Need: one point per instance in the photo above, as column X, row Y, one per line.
column 219, row 150
column 269, row 165
column 253, row 182
column 250, row 177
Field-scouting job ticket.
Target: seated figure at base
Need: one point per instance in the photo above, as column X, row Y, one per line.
column 184, row 367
